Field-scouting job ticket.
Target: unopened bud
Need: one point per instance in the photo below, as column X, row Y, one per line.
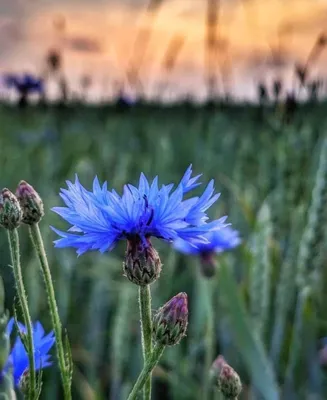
column 10, row 211
column 229, row 382
column 24, row 382
column 170, row 321
column 142, row 264
column 217, row 365
column 30, row 202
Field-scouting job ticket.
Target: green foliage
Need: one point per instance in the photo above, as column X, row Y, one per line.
column 268, row 296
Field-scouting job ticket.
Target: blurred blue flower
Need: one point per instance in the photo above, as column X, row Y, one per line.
column 218, row 241
column 25, row 83
column 101, row 218
column 18, row 358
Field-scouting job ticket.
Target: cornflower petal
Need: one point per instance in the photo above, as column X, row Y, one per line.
column 217, row 241
column 99, row 219
column 18, row 358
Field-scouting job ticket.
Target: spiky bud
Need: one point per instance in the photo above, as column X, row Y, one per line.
column 142, row 264
column 10, row 211
column 228, row 381
column 30, row 202
column 170, row 321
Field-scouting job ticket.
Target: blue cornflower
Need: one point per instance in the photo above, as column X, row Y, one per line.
column 18, row 358
column 217, row 242
column 99, row 219
column 24, row 84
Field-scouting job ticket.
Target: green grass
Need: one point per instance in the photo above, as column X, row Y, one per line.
column 269, row 295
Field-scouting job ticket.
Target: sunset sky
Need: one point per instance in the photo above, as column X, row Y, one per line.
column 99, row 38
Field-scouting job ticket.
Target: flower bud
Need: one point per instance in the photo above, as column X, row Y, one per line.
column 24, row 382
column 170, row 321
column 217, row 365
column 142, row 264
column 229, row 383
column 10, row 211
column 30, row 202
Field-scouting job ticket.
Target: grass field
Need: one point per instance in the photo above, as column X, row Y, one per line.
column 268, row 311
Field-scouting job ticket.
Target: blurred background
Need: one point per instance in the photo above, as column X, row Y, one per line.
column 235, row 87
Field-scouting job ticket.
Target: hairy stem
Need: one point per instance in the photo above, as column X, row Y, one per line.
column 65, row 368
column 146, row 326
column 146, row 372
column 15, row 259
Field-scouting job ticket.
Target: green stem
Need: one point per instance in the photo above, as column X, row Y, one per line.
column 55, row 319
column 15, row 259
column 146, row 326
column 146, row 372
column 209, row 337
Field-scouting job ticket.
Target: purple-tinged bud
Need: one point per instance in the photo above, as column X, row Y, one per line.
column 229, row 382
column 170, row 321
column 30, row 202
column 23, row 383
column 208, row 265
column 10, row 211
column 217, row 365
column 142, row 264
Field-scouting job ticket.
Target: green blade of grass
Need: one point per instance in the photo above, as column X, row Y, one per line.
column 250, row 347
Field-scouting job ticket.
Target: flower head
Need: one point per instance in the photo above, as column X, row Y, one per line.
column 218, row 241
column 100, row 218
column 18, row 358
column 170, row 321
column 24, row 83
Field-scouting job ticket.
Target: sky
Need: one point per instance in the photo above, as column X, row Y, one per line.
column 99, row 38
